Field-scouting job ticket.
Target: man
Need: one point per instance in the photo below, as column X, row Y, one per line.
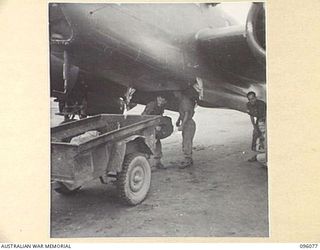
column 186, row 124
column 156, row 108
column 257, row 110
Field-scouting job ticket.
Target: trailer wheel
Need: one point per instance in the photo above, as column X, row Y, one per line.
column 134, row 179
column 62, row 189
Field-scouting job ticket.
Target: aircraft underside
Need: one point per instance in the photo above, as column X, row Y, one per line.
column 105, row 57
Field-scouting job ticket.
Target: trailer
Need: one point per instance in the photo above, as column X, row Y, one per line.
column 113, row 148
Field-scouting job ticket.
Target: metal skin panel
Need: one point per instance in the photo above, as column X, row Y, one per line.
column 160, row 47
column 76, row 164
column 62, row 162
column 117, row 153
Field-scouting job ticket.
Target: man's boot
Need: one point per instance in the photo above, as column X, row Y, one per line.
column 188, row 162
column 158, row 164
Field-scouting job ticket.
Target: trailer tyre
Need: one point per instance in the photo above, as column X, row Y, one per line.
column 62, row 189
column 134, row 179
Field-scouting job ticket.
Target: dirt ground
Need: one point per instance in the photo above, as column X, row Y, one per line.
column 222, row 195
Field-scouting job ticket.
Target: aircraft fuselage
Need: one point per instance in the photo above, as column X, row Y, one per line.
column 150, row 47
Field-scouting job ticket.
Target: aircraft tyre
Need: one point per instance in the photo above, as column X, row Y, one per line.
column 134, row 180
column 62, row 189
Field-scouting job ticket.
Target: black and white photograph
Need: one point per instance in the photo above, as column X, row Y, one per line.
column 158, row 120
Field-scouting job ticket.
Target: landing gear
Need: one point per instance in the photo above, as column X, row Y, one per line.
column 72, row 101
column 69, row 112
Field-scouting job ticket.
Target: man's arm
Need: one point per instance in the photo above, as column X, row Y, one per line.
column 251, row 116
column 148, row 109
column 178, row 121
column 252, row 121
column 185, row 119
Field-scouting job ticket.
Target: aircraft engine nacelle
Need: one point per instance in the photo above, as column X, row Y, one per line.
column 255, row 31
column 239, row 51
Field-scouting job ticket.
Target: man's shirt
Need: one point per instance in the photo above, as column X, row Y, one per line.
column 258, row 109
column 153, row 109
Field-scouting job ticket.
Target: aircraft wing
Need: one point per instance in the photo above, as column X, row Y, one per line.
column 237, row 59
